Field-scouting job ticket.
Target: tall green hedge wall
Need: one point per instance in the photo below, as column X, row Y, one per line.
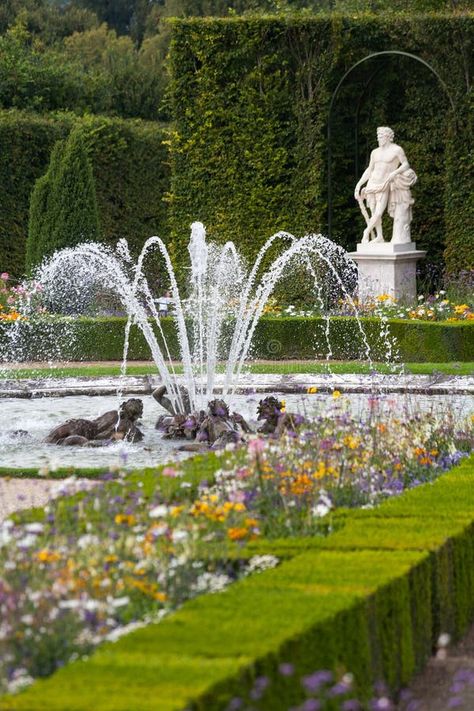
column 251, row 98
column 130, row 167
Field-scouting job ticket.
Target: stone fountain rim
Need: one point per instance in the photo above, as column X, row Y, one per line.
column 256, row 383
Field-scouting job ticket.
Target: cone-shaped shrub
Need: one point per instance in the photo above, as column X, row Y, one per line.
column 63, row 210
column 41, row 214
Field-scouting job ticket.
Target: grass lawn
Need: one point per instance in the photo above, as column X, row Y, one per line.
column 263, row 367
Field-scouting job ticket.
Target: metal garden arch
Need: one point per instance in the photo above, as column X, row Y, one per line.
column 334, row 97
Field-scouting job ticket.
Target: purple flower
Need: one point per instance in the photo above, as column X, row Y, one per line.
column 350, row 705
column 313, row 682
column 455, row 702
column 338, row 689
column 310, row 705
column 286, row 669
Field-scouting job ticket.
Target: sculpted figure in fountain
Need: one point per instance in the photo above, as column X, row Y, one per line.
column 275, row 419
column 212, row 428
column 387, row 181
column 110, row 427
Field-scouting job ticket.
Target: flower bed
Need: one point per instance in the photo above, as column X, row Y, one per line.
column 87, row 568
column 371, row 598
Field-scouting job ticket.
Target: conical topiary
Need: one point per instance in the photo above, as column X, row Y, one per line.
column 41, row 217
column 63, row 209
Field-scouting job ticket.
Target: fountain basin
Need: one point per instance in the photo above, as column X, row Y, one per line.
column 38, row 415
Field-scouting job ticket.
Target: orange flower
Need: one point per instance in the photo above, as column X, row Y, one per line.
column 237, row 534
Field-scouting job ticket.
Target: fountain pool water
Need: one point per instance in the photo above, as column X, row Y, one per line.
column 39, row 415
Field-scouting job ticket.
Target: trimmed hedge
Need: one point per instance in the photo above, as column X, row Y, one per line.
column 275, row 338
column 130, row 167
column 251, row 100
column 371, row 598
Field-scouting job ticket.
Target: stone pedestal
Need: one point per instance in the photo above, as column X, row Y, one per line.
column 387, row 268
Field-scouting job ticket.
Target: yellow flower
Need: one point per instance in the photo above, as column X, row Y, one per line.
column 46, row 556
column 384, row 297
column 336, row 394
column 127, row 519
column 312, row 390
column 351, row 442
column 176, row 510
column 461, row 308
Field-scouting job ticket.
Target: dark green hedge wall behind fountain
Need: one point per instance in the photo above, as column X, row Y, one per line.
column 251, row 98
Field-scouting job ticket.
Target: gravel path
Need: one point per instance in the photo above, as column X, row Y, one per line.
column 447, row 682
column 20, row 494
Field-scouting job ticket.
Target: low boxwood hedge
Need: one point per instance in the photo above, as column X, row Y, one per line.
column 275, row 338
column 370, row 598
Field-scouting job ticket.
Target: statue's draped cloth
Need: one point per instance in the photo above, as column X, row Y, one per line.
column 399, row 192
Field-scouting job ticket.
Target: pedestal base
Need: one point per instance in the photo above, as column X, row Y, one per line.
column 387, row 268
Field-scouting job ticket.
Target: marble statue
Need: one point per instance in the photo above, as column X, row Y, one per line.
column 387, row 181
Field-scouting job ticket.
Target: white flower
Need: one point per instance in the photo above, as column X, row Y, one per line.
column 444, row 640
column 20, row 680
column 27, row 541
column 69, row 604
column 34, row 528
column 261, row 562
column 87, row 540
column 159, row 511
column 320, row 510
column 119, row 601
column 178, row 536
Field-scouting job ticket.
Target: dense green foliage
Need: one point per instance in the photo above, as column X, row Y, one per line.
column 131, row 173
column 371, row 598
column 92, row 70
column 63, row 209
column 250, row 95
column 251, row 99
column 99, row 339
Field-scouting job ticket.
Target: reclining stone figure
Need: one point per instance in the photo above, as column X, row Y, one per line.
column 110, row 427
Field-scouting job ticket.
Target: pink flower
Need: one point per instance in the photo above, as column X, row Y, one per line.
column 256, row 446
column 4, row 276
column 169, row 471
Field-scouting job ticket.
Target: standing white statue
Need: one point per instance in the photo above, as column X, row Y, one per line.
column 387, row 181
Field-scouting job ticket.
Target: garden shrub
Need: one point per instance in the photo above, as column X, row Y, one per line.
column 129, row 164
column 63, row 204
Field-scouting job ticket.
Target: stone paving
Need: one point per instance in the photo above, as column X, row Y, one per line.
column 20, row 494
column 447, row 681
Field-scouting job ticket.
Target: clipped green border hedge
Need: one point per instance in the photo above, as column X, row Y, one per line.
column 102, row 338
column 371, row 598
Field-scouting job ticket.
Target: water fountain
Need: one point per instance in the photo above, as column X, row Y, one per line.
column 217, row 320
